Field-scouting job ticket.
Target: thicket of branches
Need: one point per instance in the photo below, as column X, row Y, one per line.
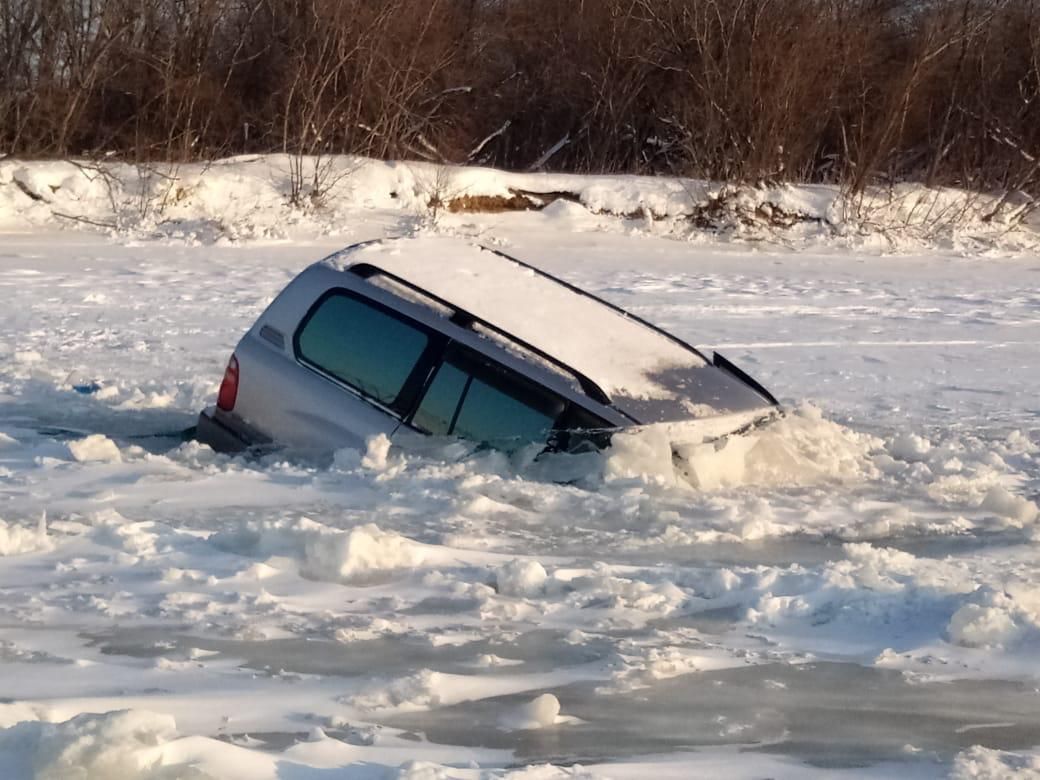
column 853, row 91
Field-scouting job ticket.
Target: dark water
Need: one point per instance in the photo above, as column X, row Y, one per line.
column 827, row 714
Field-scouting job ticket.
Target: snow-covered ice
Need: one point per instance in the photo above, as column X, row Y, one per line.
column 851, row 591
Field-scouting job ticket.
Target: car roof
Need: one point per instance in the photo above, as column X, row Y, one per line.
column 624, row 356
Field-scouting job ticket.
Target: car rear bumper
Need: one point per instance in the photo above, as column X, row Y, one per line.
column 226, row 433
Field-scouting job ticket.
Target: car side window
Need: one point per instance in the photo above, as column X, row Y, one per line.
column 474, row 400
column 497, row 414
column 362, row 345
column 436, row 412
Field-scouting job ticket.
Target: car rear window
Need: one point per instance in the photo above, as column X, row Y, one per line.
column 476, row 400
column 361, row 344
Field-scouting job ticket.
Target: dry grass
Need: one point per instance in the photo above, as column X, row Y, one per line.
column 493, row 204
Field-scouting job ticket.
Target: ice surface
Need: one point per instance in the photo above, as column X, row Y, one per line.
column 853, row 590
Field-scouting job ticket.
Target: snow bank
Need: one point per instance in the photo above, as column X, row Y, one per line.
column 246, row 198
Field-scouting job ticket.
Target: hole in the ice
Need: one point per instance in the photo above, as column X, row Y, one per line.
column 828, row 714
column 272, row 741
column 535, row 651
column 45, row 411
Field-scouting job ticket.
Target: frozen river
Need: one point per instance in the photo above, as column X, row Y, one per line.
column 854, row 590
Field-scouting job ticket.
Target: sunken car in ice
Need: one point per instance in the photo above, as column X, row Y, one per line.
column 441, row 337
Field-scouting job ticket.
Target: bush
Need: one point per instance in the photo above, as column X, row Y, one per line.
column 853, row 91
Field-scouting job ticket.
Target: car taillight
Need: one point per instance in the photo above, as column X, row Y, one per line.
column 229, row 387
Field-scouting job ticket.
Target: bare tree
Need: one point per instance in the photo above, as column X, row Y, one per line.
column 862, row 92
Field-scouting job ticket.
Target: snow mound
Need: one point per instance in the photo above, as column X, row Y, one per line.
column 18, row 540
column 974, row 625
column 414, row 693
column 996, row 619
column 641, row 599
column 799, row 448
column 359, row 554
column 644, row 454
column 909, row 447
column 138, row 539
column 95, row 447
column 376, row 457
column 521, row 578
column 980, row 763
column 1000, row 502
column 539, row 713
column 111, row 746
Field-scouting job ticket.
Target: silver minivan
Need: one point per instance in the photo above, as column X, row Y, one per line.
column 441, row 337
